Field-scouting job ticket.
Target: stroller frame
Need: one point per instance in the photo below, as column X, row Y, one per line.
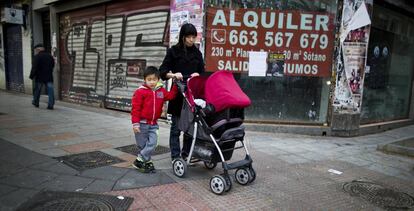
column 219, row 184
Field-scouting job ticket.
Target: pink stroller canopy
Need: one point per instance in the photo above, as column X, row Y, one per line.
column 222, row 91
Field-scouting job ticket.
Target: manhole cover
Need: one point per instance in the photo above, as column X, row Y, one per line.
column 379, row 195
column 133, row 149
column 68, row 201
column 89, row 160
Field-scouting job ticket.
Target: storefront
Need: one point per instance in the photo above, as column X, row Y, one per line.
column 298, row 37
column 390, row 63
column 11, row 47
column 317, row 55
column 300, row 62
column 104, row 48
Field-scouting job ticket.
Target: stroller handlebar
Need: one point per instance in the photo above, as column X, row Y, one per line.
column 181, row 85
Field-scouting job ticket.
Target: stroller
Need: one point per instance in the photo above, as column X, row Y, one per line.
column 215, row 129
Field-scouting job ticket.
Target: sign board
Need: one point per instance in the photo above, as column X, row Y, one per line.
column 12, row 15
column 305, row 38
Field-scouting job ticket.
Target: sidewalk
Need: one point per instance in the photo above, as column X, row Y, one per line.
column 292, row 170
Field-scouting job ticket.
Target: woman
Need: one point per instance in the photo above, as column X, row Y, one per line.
column 182, row 61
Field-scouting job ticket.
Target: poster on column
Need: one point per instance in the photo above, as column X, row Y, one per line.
column 185, row 11
column 351, row 62
column 354, row 62
column 304, row 38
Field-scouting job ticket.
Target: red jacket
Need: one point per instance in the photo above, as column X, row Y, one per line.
column 147, row 103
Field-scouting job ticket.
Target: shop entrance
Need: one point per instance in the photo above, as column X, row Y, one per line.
column 13, row 57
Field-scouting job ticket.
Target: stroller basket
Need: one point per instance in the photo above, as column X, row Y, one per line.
column 206, row 150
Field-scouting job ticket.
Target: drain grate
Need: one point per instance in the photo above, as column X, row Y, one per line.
column 379, row 195
column 133, row 149
column 89, row 160
column 54, row 200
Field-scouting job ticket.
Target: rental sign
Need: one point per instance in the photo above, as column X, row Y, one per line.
column 305, row 39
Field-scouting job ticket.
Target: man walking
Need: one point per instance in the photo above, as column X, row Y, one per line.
column 42, row 73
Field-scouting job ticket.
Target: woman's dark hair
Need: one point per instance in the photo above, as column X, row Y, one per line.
column 186, row 30
column 151, row 70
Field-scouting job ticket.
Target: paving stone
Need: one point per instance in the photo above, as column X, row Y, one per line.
column 28, row 178
column 56, row 167
column 14, row 199
column 7, row 146
column 66, row 183
column 99, row 186
column 31, row 129
column 86, row 147
column 387, row 170
column 128, row 158
column 55, row 137
column 25, row 158
column 5, row 189
column 135, row 179
column 164, row 197
column 313, row 156
column 8, row 168
column 52, row 152
column 293, row 159
column 113, row 152
column 355, row 160
column 105, row 173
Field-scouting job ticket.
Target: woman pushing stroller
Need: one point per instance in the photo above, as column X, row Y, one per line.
column 182, row 61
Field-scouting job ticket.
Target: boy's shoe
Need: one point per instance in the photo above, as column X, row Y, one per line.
column 138, row 163
column 149, row 166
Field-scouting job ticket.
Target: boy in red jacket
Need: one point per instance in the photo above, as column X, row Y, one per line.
column 147, row 104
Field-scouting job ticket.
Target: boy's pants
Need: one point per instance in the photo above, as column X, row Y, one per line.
column 147, row 140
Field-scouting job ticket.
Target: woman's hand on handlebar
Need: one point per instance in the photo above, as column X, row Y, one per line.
column 178, row 76
column 195, row 74
column 175, row 76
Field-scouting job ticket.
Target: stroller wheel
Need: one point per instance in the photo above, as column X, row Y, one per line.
column 228, row 182
column 218, row 184
column 210, row 165
column 252, row 173
column 243, row 176
column 179, row 167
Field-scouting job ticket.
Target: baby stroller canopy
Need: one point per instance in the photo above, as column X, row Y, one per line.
column 222, row 91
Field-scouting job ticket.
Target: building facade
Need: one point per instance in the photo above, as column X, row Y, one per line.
column 331, row 65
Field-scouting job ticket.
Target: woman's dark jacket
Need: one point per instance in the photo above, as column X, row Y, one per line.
column 42, row 69
column 187, row 63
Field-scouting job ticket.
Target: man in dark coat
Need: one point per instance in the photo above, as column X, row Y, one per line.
column 42, row 74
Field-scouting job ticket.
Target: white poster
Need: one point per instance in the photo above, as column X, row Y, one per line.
column 257, row 63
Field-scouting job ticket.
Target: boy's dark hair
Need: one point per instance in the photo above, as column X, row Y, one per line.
column 151, row 70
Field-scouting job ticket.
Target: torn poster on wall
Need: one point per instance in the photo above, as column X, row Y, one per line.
column 351, row 60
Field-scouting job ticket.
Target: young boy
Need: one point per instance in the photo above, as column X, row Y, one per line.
column 147, row 104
